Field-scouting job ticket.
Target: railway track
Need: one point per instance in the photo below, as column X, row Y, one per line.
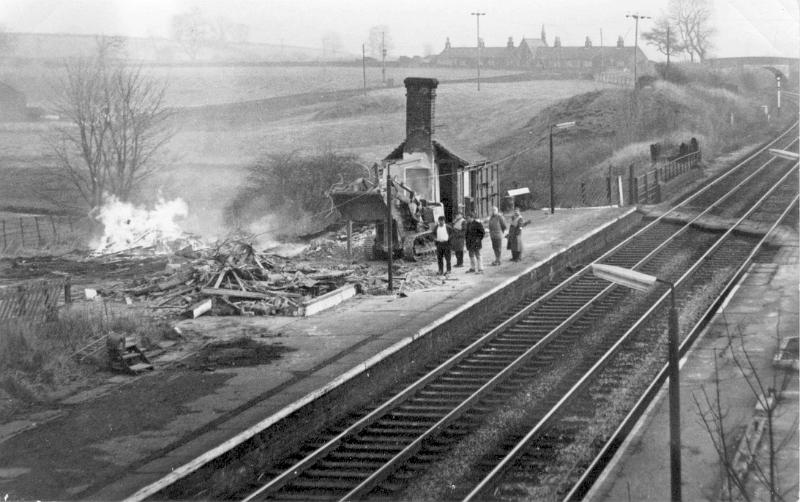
column 468, row 419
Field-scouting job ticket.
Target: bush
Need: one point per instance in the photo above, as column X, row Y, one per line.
column 672, row 74
column 294, row 186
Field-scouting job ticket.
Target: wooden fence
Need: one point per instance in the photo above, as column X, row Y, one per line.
column 621, row 79
column 646, row 188
column 34, row 301
column 38, row 231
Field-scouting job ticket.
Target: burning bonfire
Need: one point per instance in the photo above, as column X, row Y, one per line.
column 229, row 277
column 127, row 227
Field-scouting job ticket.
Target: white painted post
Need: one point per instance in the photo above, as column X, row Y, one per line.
column 619, row 186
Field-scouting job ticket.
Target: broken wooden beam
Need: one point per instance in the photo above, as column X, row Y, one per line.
column 235, row 293
column 199, row 308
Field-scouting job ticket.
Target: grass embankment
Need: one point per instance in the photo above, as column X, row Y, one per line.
column 615, row 128
column 39, row 363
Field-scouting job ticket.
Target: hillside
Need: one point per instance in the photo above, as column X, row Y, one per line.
column 614, row 128
column 59, row 46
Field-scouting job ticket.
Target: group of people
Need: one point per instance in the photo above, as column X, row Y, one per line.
column 469, row 233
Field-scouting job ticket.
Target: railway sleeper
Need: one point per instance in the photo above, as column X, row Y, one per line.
column 353, row 473
column 359, row 445
column 489, row 356
column 414, row 417
column 426, row 396
column 425, row 408
column 315, row 486
column 404, row 431
column 365, row 455
column 304, row 497
column 456, row 388
column 391, row 440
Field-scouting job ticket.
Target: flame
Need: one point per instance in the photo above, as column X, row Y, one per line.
column 126, row 226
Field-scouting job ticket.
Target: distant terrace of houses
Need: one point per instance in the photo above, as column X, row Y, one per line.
column 535, row 54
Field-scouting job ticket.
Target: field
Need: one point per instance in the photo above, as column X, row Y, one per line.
column 209, row 85
column 213, row 145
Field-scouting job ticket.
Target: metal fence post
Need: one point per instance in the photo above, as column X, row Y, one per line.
column 608, row 190
column 68, row 290
column 21, row 234
column 631, row 186
column 657, row 185
column 53, row 226
column 646, row 190
column 38, row 232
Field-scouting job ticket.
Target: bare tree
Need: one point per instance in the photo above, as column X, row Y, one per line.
column 192, row 30
column 657, row 37
column 380, row 41
column 767, row 391
column 692, row 18
column 118, row 124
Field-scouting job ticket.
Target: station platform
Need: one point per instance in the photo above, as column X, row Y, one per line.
column 761, row 312
column 132, row 436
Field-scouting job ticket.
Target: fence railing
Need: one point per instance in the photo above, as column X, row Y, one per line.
column 615, row 78
column 38, row 231
column 34, row 301
column 646, row 188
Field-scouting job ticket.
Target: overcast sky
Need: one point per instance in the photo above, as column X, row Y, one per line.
column 744, row 27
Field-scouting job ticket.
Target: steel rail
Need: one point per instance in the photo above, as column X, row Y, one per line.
column 385, row 470
column 598, row 465
column 296, row 469
column 491, row 478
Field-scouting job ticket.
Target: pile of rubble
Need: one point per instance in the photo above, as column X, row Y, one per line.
column 232, row 278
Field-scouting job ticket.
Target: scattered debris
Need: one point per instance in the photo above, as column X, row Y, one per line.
column 125, row 355
column 232, row 278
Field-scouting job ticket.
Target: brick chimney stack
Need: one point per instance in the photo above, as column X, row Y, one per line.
column 420, row 107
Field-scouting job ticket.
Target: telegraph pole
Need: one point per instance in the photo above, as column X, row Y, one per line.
column 602, row 58
column 364, row 66
column 637, row 17
column 383, row 57
column 667, row 52
column 389, row 223
column 478, row 19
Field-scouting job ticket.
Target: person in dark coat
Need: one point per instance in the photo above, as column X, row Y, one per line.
column 457, row 239
column 441, row 235
column 515, row 235
column 473, row 237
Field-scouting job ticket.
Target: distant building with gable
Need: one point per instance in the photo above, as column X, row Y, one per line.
column 491, row 57
column 535, row 54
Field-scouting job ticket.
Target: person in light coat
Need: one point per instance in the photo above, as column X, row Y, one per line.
column 515, row 235
column 457, row 239
column 497, row 227
column 441, row 234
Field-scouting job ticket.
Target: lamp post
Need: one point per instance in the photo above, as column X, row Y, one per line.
column 562, row 125
column 389, row 229
column 478, row 22
column 637, row 17
column 643, row 282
